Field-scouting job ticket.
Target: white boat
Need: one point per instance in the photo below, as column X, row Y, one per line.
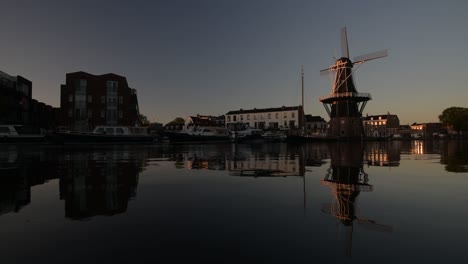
column 12, row 134
column 199, row 134
column 244, row 132
column 105, row 134
column 275, row 136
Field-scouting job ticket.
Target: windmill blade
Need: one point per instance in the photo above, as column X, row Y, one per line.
column 344, row 43
column 374, row 226
column 371, row 56
column 326, row 71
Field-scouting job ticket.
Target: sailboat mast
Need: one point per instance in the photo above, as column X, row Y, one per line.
column 303, row 111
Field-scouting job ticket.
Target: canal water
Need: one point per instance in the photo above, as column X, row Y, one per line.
column 382, row 202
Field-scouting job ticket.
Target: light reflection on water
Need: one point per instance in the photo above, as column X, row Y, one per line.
column 398, row 201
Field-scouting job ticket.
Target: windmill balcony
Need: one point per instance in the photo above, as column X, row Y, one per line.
column 357, row 97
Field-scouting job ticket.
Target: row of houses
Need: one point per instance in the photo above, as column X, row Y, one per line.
column 88, row 100
column 292, row 117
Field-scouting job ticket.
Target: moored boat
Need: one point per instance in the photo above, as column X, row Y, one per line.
column 276, row 136
column 13, row 134
column 105, row 134
column 199, row 134
column 244, row 133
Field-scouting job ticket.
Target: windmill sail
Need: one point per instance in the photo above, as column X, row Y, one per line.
column 371, row 56
column 344, row 43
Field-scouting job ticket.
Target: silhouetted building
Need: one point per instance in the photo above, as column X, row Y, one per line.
column 426, row 130
column 285, row 117
column 205, row 120
column 380, row 126
column 88, row 100
column 17, row 106
column 15, row 99
column 315, row 124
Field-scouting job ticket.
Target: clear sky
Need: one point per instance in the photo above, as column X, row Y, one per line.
column 212, row 56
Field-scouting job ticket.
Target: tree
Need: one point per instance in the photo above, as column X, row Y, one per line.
column 143, row 120
column 455, row 118
column 177, row 121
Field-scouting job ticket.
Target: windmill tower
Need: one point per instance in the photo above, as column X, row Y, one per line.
column 344, row 104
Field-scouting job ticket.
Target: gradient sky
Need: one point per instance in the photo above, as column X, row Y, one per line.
column 211, row 56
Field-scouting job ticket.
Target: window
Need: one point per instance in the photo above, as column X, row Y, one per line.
column 277, row 115
column 120, row 99
column 103, row 113
column 241, row 117
column 248, row 117
column 90, row 98
column 90, row 113
column 112, row 86
column 70, row 98
column 103, row 99
column 120, row 114
column 234, row 118
column 293, row 115
column 70, row 113
column 269, row 115
column 255, row 117
column 229, row 119
column 83, row 83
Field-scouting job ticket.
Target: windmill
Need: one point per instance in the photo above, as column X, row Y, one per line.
column 344, row 104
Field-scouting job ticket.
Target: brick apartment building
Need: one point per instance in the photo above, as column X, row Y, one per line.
column 88, row 100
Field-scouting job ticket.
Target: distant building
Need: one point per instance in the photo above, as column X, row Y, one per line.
column 88, row 100
column 17, row 106
column 285, row 117
column 205, row 120
column 315, row 124
column 427, row 130
column 380, row 126
column 15, row 99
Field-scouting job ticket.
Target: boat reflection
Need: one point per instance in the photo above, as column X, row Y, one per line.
column 262, row 160
column 347, row 179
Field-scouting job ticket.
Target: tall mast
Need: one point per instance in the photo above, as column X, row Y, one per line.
column 303, row 111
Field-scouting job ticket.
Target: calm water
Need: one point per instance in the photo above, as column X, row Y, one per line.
column 396, row 202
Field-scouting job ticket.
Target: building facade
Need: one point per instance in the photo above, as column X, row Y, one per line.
column 88, row 100
column 15, row 99
column 426, row 130
column 205, row 120
column 17, row 106
column 315, row 124
column 381, row 126
column 285, row 117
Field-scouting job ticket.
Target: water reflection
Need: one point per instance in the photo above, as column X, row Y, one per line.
column 102, row 180
column 92, row 182
column 347, row 179
column 455, row 157
column 98, row 183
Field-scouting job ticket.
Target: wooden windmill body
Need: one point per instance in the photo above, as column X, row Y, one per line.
column 344, row 104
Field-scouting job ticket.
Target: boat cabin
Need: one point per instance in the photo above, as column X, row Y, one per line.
column 120, row 130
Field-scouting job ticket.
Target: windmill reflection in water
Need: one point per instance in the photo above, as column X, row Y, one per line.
column 347, row 179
